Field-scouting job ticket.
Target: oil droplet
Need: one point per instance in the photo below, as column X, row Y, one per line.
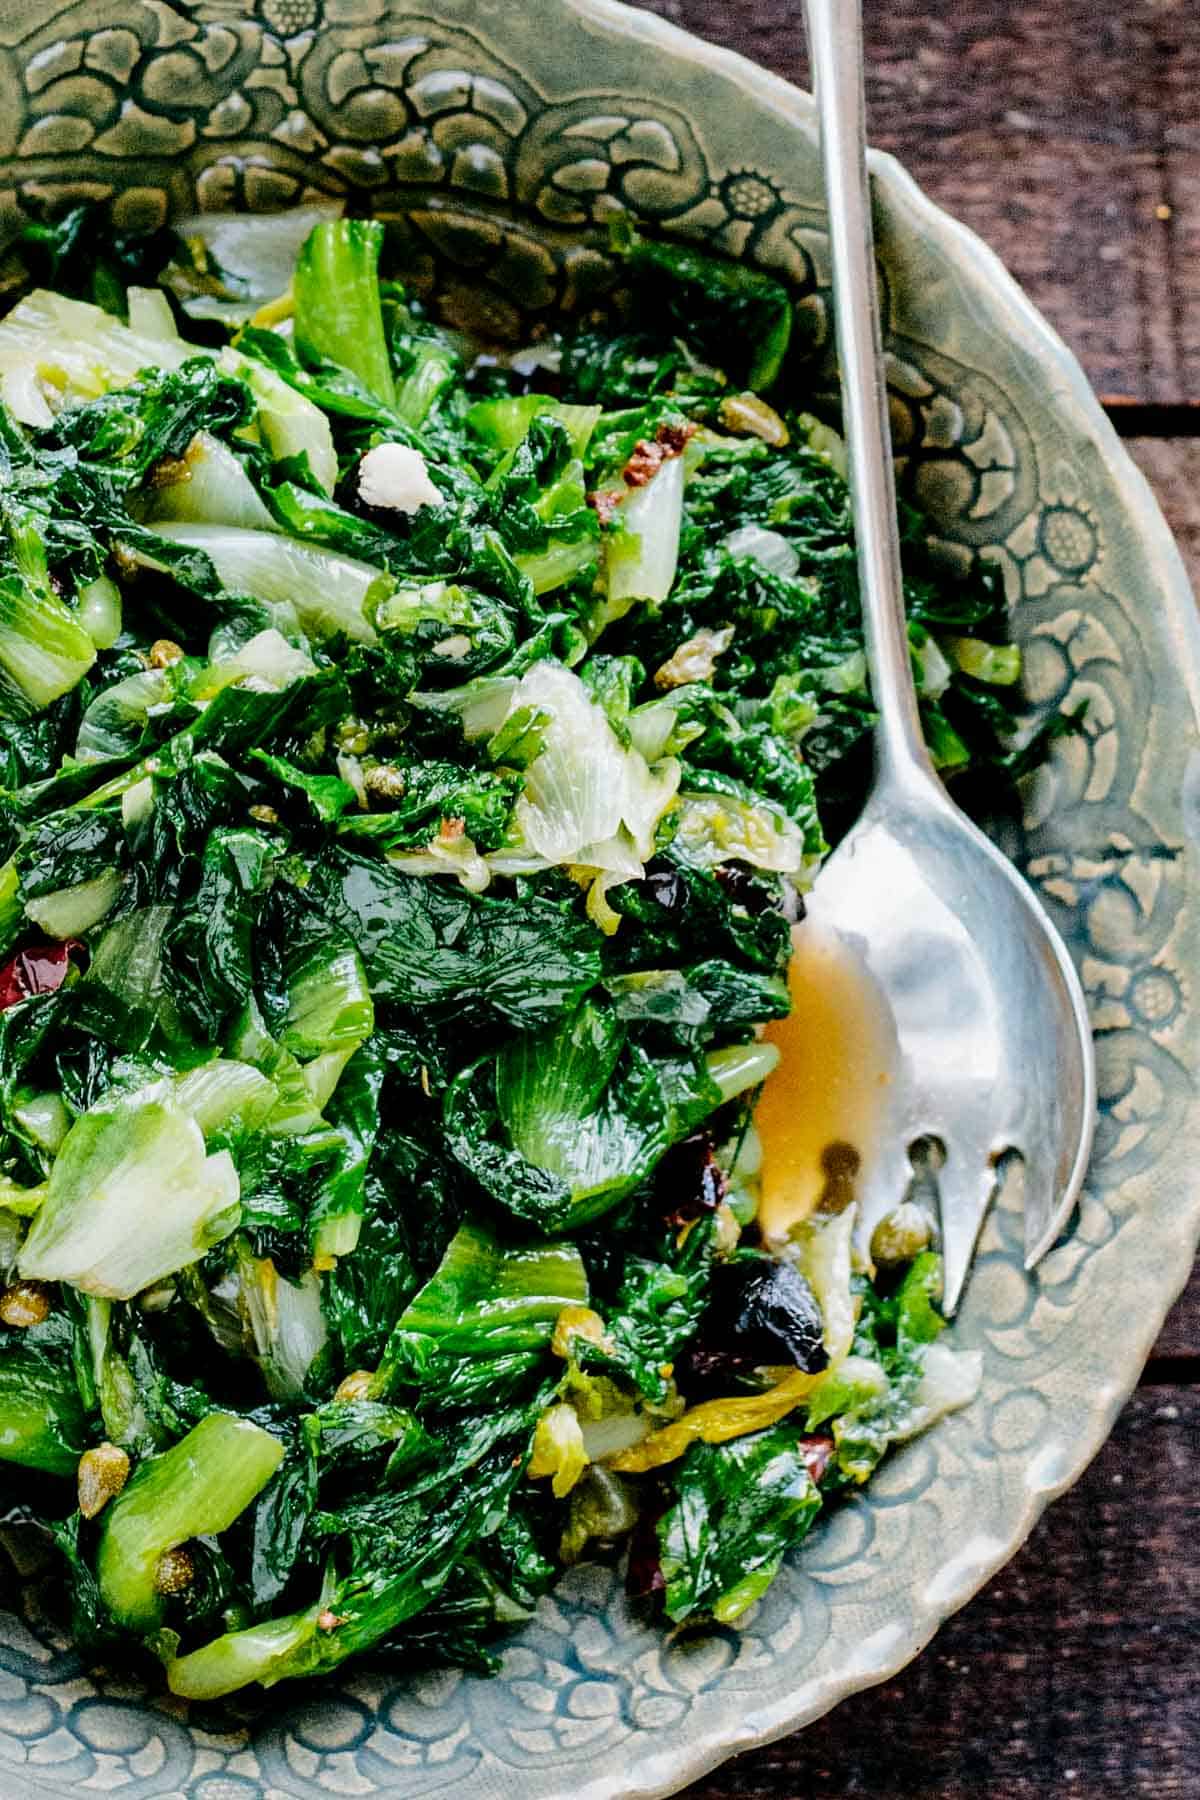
column 822, row 1111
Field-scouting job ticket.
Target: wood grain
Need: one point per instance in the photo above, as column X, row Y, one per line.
column 1073, row 1675
column 1065, row 132
column 1172, row 468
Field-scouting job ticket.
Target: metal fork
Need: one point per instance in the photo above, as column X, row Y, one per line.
column 994, row 1047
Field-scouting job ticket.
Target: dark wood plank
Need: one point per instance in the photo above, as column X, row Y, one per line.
column 1173, row 471
column 1064, row 132
column 1172, row 467
column 1177, row 1352
column 1073, row 1674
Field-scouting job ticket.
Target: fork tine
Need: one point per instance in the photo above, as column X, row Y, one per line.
column 966, row 1184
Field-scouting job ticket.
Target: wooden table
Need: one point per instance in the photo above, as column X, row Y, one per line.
column 1066, row 132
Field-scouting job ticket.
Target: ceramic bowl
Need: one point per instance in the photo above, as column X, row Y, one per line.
column 502, row 134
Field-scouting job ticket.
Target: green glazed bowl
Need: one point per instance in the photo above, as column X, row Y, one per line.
column 502, row 133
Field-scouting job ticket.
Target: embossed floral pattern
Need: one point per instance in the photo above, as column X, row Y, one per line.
column 500, row 137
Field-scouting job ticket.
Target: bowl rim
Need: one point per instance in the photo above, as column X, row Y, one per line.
column 662, row 1770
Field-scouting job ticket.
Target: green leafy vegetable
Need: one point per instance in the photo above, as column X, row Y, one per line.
column 738, row 1507
column 338, row 314
column 198, row 1487
column 42, row 1423
column 487, row 1299
column 411, row 764
column 133, row 1196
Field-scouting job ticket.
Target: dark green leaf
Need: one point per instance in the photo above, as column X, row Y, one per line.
column 738, row 1507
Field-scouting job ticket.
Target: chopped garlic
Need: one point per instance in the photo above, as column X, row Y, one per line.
column 750, row 416
column 395, row 476
column 455, row 647
column 695, row 659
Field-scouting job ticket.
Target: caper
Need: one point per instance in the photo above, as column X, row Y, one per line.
column 356, row 1386
column 576, row 1322
column 900, row 1235
column 25, row 1303
column 103, row 1472
column 175, row 1572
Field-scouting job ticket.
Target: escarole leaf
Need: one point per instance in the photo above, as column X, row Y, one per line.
column 211, row 488
column 247, row 258
column 44, row 649
column 328, row 795
column 488, row 1300
column 265, row 1653
column 64, row 848
column 338, row 311
column 133, row 1196
column 720, row 827
column 439, row 951
column 403, row 1560
column 353, row 1115
column 197, row 1488
column 42, row 1423
column 227, row 1099
column 822, row 1247
column 115, row 723
column 584, row 788
column 503, row 423
column 124, row 999
column 574, row 1119
column 69, row 912
column 643, row 556
column 546, row 1087
column 293, row 428
column 741, row 317
column 329, row 1005
column 898, row 1379
column 586, row 797
column 149, row 424
column 317, row 590
column 284, row 1319
column 432, row 791
column 738, row 1507
column 207, row 956
column 455, row 627
column 54, row 350
column 658, row 1306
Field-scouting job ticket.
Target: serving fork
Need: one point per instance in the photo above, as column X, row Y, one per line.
column 994, row 1049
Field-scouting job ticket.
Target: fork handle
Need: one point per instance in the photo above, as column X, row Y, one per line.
column 835, row 42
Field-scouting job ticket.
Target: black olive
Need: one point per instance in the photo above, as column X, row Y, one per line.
column 763, row 1313
column 666, row 885
column 746, row 889
column 690, row 1180
column 705, row 1372
column 772, row 1313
